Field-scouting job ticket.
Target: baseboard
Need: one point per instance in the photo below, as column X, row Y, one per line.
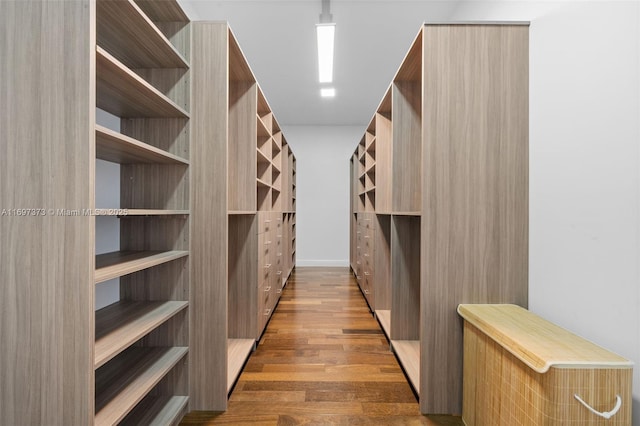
column 330, row 263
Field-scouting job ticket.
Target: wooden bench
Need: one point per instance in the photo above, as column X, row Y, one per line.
column 520, row 369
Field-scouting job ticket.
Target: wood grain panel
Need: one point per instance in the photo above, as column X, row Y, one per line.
column 124, row 30
column 152, row 186
column 382, row 261
column 167, row 134
column 171, row 82
column 242, row 145
column 384, row 163
column 239, row 69
column 411, row 66
column 406, row 147
column 475, row 189
column 243, row 277
column 405, row 278
column 408, row 353
column 47, row 151
column 208, row 220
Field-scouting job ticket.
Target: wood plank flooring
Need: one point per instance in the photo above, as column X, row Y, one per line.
column 322, row 360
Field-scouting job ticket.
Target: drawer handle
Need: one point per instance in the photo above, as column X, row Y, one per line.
column 279, row 273
column 366, row 236
column 267, row 221
column 367, row 274
column 267, row 266
column 267, row 312
column 267, row 243
column 606, row 414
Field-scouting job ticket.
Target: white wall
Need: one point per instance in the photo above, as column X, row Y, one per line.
column 322, row 219
column 107, row 227
column 584, row 166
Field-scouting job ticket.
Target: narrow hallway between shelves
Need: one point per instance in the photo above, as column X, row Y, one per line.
column 323, row 359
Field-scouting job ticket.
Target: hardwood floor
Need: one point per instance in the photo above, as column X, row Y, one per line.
column 322, row 360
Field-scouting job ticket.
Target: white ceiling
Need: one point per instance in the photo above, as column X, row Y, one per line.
column 278, row 39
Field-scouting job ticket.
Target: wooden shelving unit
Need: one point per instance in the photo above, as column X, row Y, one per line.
column 425, row 197
column 243, row 181
column 157, row 410
column 142, row 76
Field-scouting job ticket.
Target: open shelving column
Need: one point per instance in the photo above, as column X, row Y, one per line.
column 142, row 76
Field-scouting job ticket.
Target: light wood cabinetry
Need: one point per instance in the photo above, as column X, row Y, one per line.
column 243, row 214
column 127, row 361
column 441, row 177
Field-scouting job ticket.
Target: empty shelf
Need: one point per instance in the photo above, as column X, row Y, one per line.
column 123, row 382
column 123, row 29
column 122, row 92
column 157, row 411
column 384, row 318
column 139, row 212
column 163, row 11
column 238, row 352
column 121, row 324
column 118, row 148
column 119, row 263
column 408, row 353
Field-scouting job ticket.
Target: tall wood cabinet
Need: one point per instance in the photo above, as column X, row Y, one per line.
column 205, row 177
column 62, row 363
column 244, row 178
column 439, row 197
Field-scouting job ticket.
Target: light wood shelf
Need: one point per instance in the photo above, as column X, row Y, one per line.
column 238, row 352
column 125, row 94
column 402, row 167
column 140, row 212
column 122, row 323
column 157, row 411
column 408, row 353
column 164, row 11
column 384, row 318
column 241, row 212
column 118, row 148
column 124, row 30
column 119, row 263
column 127, row 379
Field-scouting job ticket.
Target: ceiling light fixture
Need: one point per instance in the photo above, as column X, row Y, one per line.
column 325, row 32
column 327, row 92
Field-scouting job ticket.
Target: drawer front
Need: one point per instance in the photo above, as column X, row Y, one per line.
column 265, row 220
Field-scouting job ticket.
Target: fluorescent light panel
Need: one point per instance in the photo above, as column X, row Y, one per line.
column 326, row 33
column 328, row 92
